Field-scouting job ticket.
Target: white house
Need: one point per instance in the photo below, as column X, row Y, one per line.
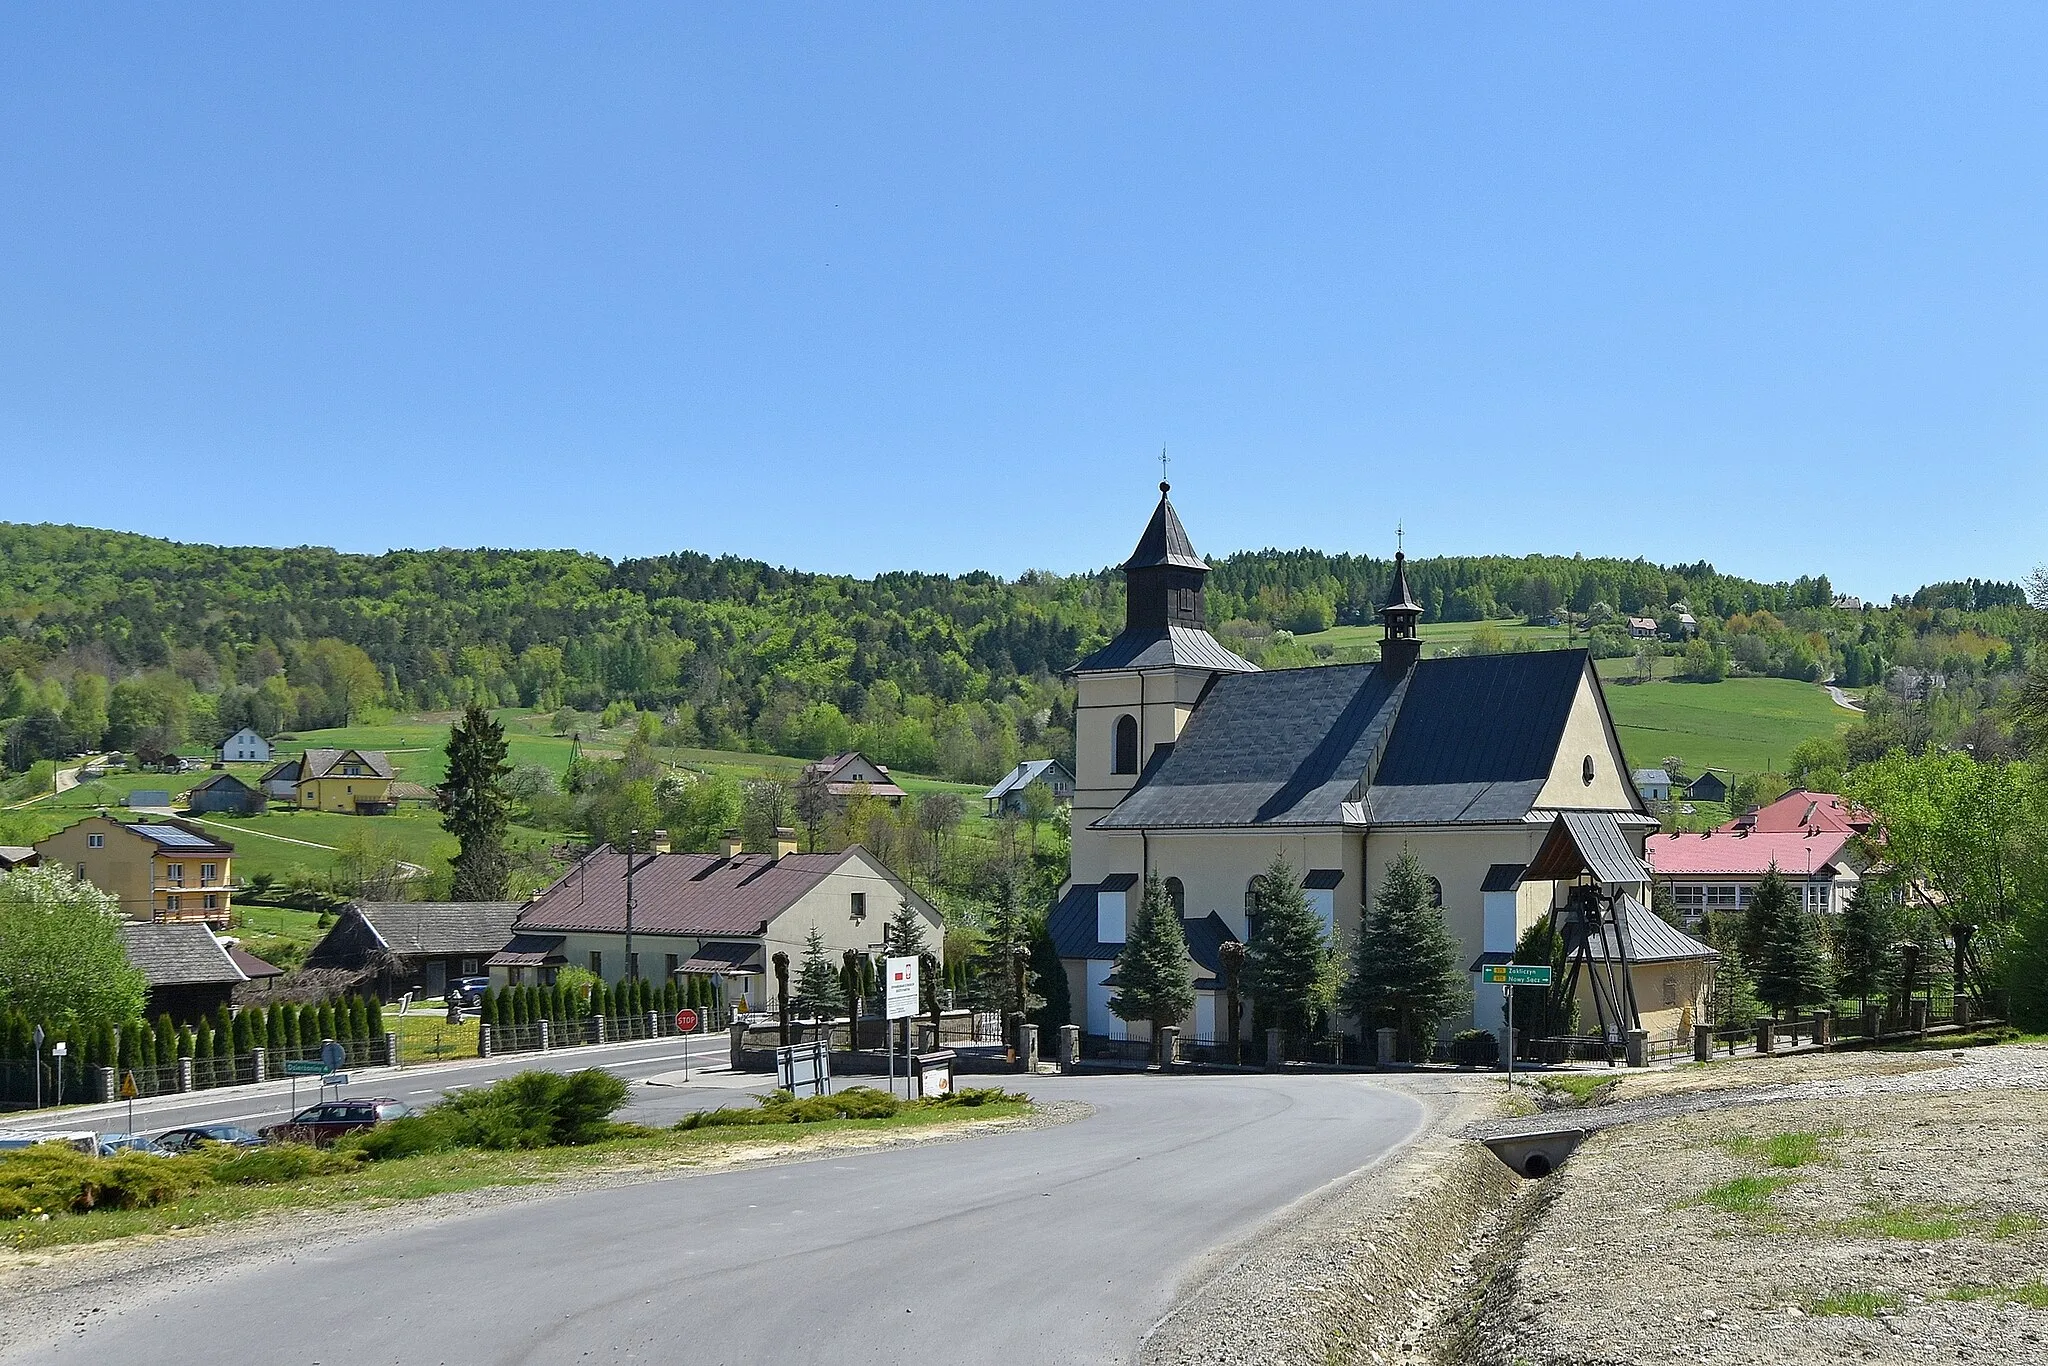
column 245, row 746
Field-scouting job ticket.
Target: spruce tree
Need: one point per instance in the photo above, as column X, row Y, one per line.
column 1154, row 982
column 1769, row 903
column 1405, row 970
column 1283, row 965
column 817, row 992
column 904, row 936
column 1863, row 943
column 474, row 807
column 1735, row 1002
column 1048, row 983
column 1794, row 970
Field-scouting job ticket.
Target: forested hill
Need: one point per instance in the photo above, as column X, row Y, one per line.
column 953, row 674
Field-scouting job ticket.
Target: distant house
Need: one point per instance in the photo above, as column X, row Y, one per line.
column 188, row 972
column 14, row 856
column 1708, row 787
column 245, row 746
column 226, row 795
column 159, row 869
column 1654, row 784
column 843, row 773
column 1801, row 810
column 723, row 916
column 1007, row 796
column 1719, row 871
column 147, row 798
column 354, row 781
column 416, row 946
column 1643, row 628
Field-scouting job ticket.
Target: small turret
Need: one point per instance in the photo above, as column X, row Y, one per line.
column 1399, row 649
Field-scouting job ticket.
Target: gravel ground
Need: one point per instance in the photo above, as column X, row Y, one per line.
column 1366, row 1270
column 1909, row 1227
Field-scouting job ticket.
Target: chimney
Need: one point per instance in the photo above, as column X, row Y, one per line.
column 785, row 841
column 729, row 845
column 660, row 842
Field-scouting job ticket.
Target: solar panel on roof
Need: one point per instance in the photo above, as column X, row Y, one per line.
column 172, row 837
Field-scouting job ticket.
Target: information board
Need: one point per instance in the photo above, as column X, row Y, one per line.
column 900, row 994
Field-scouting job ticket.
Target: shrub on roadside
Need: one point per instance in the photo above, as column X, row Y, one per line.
column 530, row 1110
column 274, row 1165
column 856, row 1102
column 51, row 1178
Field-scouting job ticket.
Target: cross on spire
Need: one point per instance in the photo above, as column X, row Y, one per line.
column 1400, row 530
column 1163, row 486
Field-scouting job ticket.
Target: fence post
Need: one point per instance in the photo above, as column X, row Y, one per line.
column 597, row 1029
column 1638, row 1048
column 1920, row 1015
column 1169, row 1046
column 1766, row 1036
column 1070, row 1047
column 654, row 1027
column 1962, row 1011
column 543, row 1036
column 484, row 1039
column 1873, row 1020
column 1027, row 1048
column 259, row 1064
column 1824, row 1027
column 1702, row 1043
column 1383, row 1047
column 184, row 1074
column 738, row 1033
column 103, row 1088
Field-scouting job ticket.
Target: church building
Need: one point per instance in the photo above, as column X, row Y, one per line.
column 1195, row 765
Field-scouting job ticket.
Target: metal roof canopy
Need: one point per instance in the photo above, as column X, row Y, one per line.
column 1582, row 842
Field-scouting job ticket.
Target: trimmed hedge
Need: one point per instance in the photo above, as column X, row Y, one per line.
column 855, row 1102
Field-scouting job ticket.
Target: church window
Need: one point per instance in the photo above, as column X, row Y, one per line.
column 1436, row 893
column 1177, row 895
column 1586, row 771
column 1125, row 757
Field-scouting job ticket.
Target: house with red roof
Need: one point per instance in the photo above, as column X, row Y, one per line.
column 723, row 915
column 1802, row 810
column 1719, row 870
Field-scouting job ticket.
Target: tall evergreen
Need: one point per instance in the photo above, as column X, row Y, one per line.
column 1154, row 982
column 1794, row 970
column 817, row 992
column 1048, row 983
column 1544, row 1012
column 1735, row 1002
column 1406, row 971
column 474, row 808
column 1770, row 902
column 1863, row 943
column 1284, row 963
column 904, row 935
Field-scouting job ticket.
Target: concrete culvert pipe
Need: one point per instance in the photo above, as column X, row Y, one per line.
column 1536, row 1155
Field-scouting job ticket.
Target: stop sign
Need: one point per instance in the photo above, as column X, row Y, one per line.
column 686, row 1020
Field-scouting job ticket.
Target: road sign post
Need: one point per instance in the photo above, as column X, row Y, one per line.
column 686, row 1022
column 1509, row 976
column 899, row 1002
column 128, row 1094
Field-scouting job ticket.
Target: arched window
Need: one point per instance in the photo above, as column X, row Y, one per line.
column 1125, row 757
column 1177, row 895
column 1586, row 771
column 1436, row 893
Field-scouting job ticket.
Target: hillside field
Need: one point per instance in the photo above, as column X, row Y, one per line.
column 1747, row 725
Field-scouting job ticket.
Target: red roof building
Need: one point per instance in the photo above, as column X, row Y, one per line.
column 1800, row 810
column 1718, row 871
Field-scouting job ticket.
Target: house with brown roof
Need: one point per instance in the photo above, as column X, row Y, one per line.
column 723, row 915
column 843, row 775
column 416, row 946
column 188, row 972
column 354, row 781
column 160, row 869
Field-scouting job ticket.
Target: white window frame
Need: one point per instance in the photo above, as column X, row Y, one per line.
column 95, row 841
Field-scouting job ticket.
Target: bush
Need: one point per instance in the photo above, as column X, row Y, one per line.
column 530, row 1110
column 51, row 1178
column 273, row 1165
column 855, row 1102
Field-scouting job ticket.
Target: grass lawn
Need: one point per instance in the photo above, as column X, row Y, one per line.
column 1747, row 725
column 263, row 844
column 415, row 1178
column 424, row 1034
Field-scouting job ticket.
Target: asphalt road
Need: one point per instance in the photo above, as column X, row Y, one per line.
column 1061, row 1244
column 253, row 1106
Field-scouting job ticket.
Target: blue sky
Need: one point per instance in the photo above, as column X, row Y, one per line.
column 855, row 288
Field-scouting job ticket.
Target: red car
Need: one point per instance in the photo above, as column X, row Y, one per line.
column 321, row 1124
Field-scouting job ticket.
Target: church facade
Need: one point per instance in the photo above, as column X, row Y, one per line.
column 1195, row 765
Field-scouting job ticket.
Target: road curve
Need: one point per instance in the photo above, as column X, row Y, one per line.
column 1055, row 1245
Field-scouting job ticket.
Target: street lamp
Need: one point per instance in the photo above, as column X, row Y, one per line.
column 632, row 848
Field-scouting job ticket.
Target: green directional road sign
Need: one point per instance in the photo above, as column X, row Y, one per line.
column 310, row 1067
column 1518, row 974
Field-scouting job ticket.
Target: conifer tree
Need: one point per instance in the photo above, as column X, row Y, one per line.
column 487, row 1008
column 817, row 992
column 1284, row 963
column 1406, row 972
column 223, row 1031
column 1863, row 943
column 1543, row 1012
column 1154, row 982
column 373, row 1018
column 1769, row 903
column 1735, row 1002
column 1794, row 970
column 474, row 807
column 904, row 936
column 166, row 1040
column 1048, row 983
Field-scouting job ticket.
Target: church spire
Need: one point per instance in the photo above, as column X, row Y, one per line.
column 1163, row 577
column 1399, row 649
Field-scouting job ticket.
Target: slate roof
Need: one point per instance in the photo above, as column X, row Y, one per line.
column 1502, row 877
column 1206, row 938
column 1165, row 541
column 679, row 893
column 1023, row 775
column 1650, row 939
column 1071, row 926
column 178, row 953
column 1652, row 777
column 1457, row 740
column 439, row 928
column 1176, row 645
column 724, row 956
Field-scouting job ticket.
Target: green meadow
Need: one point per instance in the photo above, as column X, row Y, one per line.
column 1746, row 725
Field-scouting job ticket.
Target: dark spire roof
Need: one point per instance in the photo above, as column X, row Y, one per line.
column 1401, row 600
column 1165, row 541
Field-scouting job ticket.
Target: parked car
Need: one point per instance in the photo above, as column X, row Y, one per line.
column 467, row 991
column 131, row 1143
column 188, row 1139
column 321, row 1124
column 84, row 1140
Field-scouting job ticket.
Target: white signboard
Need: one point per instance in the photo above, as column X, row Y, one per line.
column 900, row 995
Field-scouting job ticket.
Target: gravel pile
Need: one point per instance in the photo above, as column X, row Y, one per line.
column 1905, row 1220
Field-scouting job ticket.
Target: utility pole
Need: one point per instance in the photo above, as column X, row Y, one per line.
column 632, row 847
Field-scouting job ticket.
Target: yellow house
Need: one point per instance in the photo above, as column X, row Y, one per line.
column 156, row 870
column 356, row 782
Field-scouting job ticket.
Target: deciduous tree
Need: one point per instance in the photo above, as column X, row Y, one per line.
column 62, row 956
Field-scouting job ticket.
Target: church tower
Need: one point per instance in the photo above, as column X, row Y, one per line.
column 1400, row 647
column 1135, row 693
